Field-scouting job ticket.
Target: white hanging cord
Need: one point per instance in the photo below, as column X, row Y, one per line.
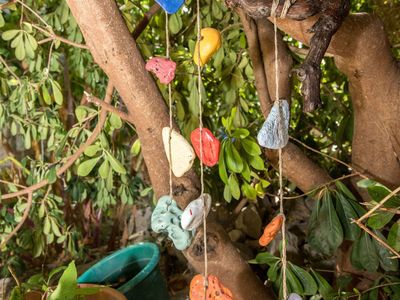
column 199, row 87
column 280, row 162
column 170, row 106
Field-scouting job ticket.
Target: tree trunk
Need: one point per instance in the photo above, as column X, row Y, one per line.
column 117, row 54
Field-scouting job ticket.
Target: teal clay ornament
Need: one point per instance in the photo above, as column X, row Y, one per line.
column 166, row 217
column 274, row 133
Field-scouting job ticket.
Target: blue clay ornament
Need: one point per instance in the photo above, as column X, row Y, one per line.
column 274, row 133
column 166, row 218
column 170, row 6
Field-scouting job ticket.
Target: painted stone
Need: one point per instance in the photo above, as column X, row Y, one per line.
column 209, row 45
column 170, row 6
column 274, row 133
column 163, row 68
column 166, row 218
column 271, row 230
column 215, row 290
column 294, row 296
column 210, row 143
column 181, row 151
column 192, row 216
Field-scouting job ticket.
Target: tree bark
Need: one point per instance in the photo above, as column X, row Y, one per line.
column 117, row 54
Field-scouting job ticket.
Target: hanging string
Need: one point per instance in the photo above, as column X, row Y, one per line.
column 280, row 161
column 199, row 88
column 169, row 105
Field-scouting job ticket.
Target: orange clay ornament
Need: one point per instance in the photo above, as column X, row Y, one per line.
column 271, row 230
column 215, row 290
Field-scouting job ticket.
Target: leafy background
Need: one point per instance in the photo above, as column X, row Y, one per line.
column 43, row 121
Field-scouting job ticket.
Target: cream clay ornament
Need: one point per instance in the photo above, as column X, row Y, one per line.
column 192, row 216
column 182, row 152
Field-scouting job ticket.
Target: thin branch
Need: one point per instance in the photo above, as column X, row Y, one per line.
column 12, row 183
column 71, row 159
column 108, row 107
column 145, row 21
column 35, row 13
column 379, row 205
column 7, row 4
column 9, row 69
column 384, row 244
column 53, row 36
column 329, row 156
column 24, row 217
column 390, row 210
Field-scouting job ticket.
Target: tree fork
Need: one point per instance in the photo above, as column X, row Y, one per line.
column 117, row 54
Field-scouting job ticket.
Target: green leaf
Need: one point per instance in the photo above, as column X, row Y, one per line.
column 363, row 254
column 394, row 236
column 80, row 113
column 46, row 95
column 325, row 231
column 227, row 194
column 232, row 158
column 251, row 147
column 9, row 34
column 249, row 192
column 58, row 97
column 135, row 149
column 307, row 281
column 273, row 271
column 380, row 219
column 104, row 169
column 264, row 258
column 67, row 285
column 51, row 175
column 246, row 173
column 20, row 51
column 240, row 133
column 234, row 186
column 92, row 150
column 87, row 166
column 2, row 23
column 54, row 227
column 115, row 121
column 46, row 226
column 346, row 213
column 115, row 164
column 146, row 191
column 175, row 23
column 257, row 163
column 385, row 260
column 324, row 288
column 294, row 282
column 221, row 164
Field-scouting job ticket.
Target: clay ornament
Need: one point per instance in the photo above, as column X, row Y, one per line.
column 271, row 230
column 294, row 296
column 166, row 217
column 192, row 216
column 170, row 6
column 209, row 45
column 181, row 151
column 210, row 147
column 215, row 290
column 274, row 133
column 163, row 68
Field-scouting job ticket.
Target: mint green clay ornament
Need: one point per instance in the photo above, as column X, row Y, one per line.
column 166, row 217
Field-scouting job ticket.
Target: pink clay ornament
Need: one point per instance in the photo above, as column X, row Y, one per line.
column 163, row 68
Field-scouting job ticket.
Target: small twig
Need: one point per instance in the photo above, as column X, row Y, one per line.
column 108, row 107
column 379, row 205
column 53, row 36
column 239, row 207
column 363, row 227
column 35, row 13
column 327, row 155
column 145, row 21
column 390, row 210
column 12, row 183
column 11, row 270
column 71, row 159
column 9, row 69
column 24, row 217
column 50, row 53
column 227, row 28
column 7, row 4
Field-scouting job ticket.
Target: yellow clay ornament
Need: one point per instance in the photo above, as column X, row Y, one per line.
column 209, row 44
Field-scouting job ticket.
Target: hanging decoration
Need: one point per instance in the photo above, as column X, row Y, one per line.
column 271, row 230
column 182, row 153
column 214, row 291
column 192, row 216
column 170, row 6
column 274, row 133
column 210, row 145
column 163, row 68
column 166, row 218
column 206, row 46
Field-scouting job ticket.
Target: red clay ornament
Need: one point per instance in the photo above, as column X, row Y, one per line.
column 163, row 68
column 210, row 146
column 215, row 290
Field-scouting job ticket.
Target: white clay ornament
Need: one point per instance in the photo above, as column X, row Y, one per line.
column 192, row 216
column 182, row 152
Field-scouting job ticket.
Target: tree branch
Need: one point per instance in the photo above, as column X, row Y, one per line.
column 145, row 21
column 108, row 107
